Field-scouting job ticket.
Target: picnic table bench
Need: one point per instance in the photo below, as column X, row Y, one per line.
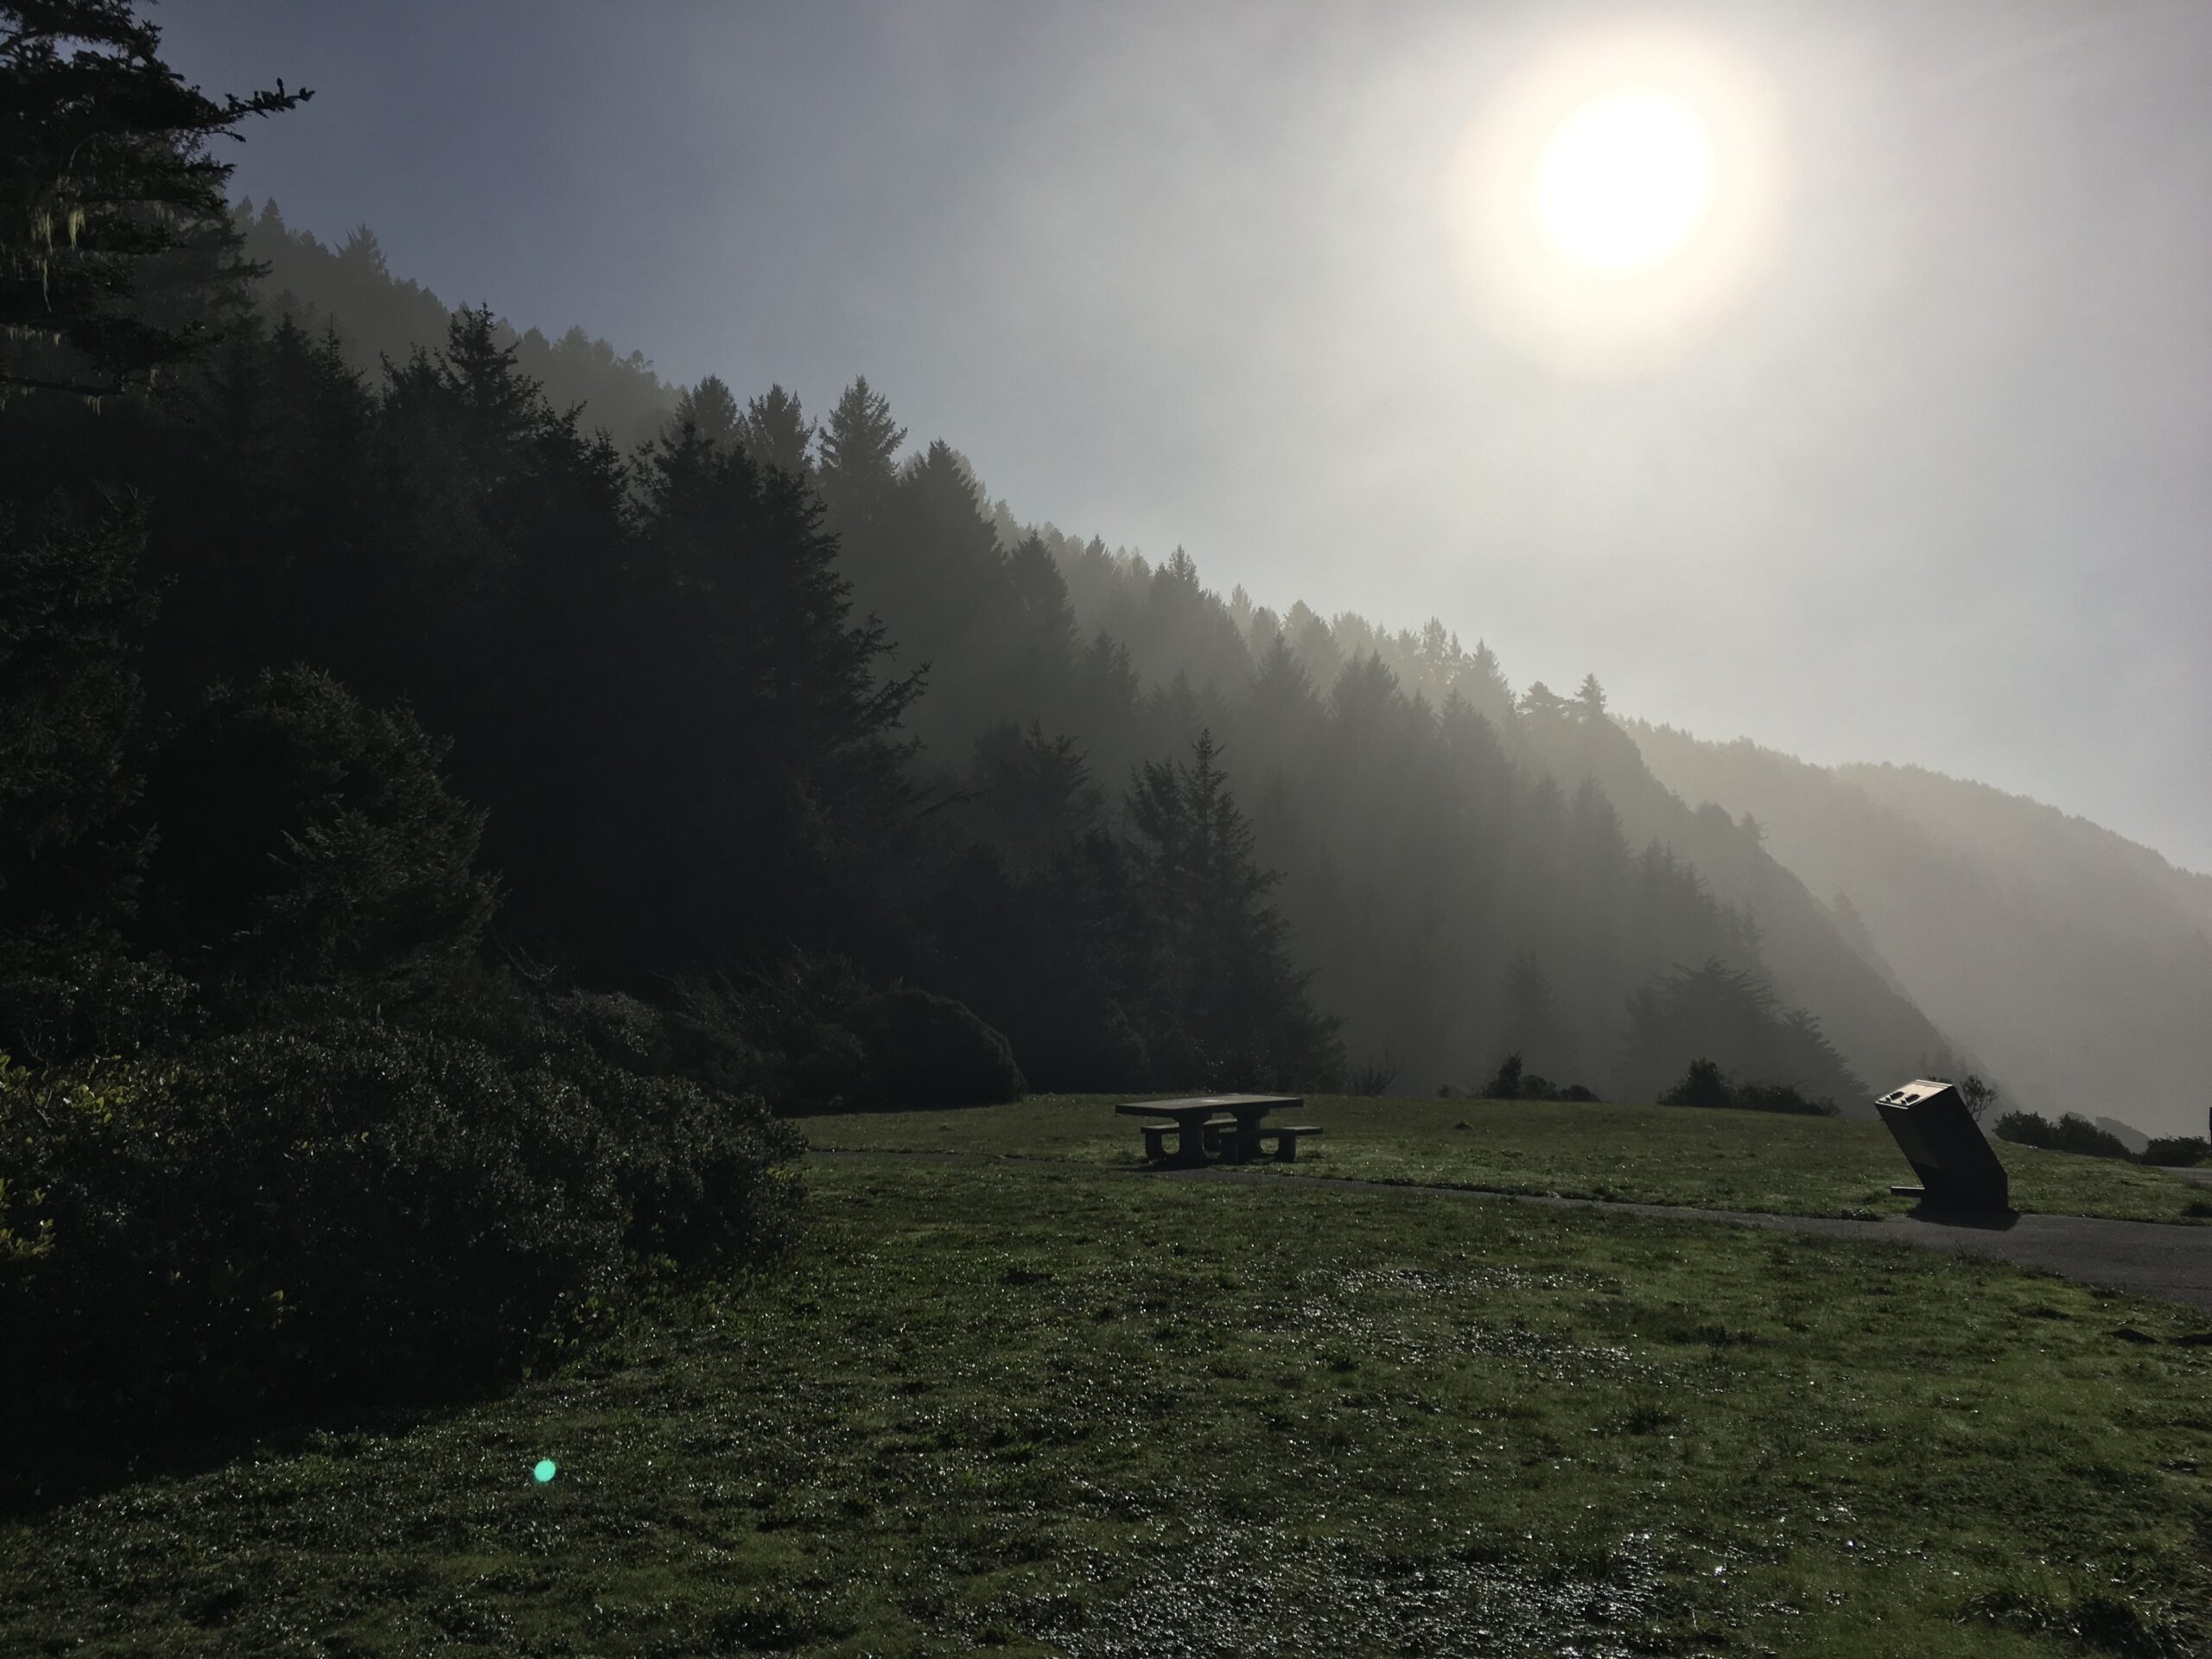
column 1231, row 1126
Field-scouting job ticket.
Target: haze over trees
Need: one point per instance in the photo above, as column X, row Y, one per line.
column 2076, row 964
column 470, row 792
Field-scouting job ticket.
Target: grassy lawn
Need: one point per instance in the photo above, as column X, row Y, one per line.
column 1648, row 1154
column 1025, row 1410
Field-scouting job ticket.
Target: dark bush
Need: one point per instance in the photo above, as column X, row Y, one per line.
column 64, row 997
column 288, row 1216
column 2177, row 1151
column 927, row 1050
column 2072, row 1133
column 698, row 1174
column 1780, row 1097
column 352, row 1212
column 1705, row 1084
column 1511, row 1082
column 1373, row 1078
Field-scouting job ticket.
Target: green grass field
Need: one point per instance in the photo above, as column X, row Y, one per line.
column 1020, row 1409
column 1646, row 1154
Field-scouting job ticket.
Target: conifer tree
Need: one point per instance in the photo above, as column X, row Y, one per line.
column 775, row 432
column 858, row 446
column 1230, row 1007
column 1590, row 700
column 116, row 253
column 710, row 410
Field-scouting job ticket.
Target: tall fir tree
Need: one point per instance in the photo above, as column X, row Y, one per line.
column 775, row 432
column 1230, row 1009
column 118, row 259
column 859, row 446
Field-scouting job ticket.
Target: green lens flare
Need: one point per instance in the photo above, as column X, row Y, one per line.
column 545, row 1470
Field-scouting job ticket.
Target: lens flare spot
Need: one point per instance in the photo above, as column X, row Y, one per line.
column 544, row 1472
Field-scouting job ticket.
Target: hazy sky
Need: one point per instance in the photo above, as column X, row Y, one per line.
column 1935, row 487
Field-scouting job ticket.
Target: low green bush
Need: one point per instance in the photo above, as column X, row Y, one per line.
column 2176, row 1151
column 1705, row 1084
column 351, row 1211
column 1512, row 1080
column 2072, row 1133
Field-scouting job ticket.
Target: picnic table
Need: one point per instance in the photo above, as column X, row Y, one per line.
column 1232, row 1125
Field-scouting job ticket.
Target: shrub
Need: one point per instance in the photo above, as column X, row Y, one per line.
column 929, row 1050
column 1780, row 1097
column 2072, row 1133
column 1511, row 1082
column 697, row 1173
column 63, row 997
column 1374, row 1077
column 288, row 1216
column 350, row 1212
column 2177, row 1151
column 1705, row 1084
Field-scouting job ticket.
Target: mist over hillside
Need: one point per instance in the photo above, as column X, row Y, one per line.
column 1451, row 873
column 2075, row 963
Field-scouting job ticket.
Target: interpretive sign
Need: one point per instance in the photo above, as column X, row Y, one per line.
column 1945, row 1147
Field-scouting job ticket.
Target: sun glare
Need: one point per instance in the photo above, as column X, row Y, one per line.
column 1625, row 181
column 1617, row 195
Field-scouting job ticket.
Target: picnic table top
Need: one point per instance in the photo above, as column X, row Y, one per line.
column 1201, row 1105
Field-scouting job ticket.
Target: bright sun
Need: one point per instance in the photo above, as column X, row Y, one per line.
column 1625, row 181
column 1616, row 194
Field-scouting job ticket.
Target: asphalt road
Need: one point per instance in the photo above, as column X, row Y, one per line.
column 2148, row 1257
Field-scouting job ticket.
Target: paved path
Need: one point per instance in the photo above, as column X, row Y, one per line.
column 2144, row 1257
column 2150, row 1257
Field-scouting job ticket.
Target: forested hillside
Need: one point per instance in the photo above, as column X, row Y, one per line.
column 349, row 290
column 1547, row 969
column 2075, row 963
column 1463, row 873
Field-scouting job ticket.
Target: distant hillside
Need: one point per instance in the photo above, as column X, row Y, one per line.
column 1818, row 954
column 1817, row 958
column 377, row 315
column 2074, row 964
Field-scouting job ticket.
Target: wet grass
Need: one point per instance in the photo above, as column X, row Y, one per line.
column 1645, row 1154
column 1024, row 1411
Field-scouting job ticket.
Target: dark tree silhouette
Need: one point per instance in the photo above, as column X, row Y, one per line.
column 776, row 433
column 1231, row 1003
column 710, row 410
column 117, row 258
column 858, row 448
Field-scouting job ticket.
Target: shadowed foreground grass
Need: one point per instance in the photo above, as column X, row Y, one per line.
column 1645, row 1154
column 1011, row 1409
